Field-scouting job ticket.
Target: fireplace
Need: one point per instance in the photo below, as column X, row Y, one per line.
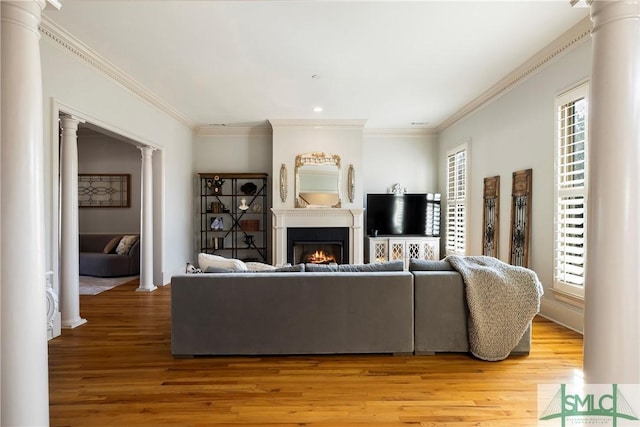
column 287, row 219
column 318, row 245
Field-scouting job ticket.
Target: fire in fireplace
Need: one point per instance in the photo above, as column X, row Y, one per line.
column 319, row 245
column 318, row 253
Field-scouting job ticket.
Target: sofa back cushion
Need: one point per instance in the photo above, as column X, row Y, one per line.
column 396, row 265
column 428, row 265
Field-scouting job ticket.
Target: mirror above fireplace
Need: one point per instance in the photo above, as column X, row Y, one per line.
column 317, row 180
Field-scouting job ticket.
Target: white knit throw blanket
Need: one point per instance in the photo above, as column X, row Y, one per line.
column 502, row 300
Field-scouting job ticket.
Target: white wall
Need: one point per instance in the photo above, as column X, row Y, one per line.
column 408, row 159
column 100, row 154
column 515, row 132
column 233, row 152
column 72, row 85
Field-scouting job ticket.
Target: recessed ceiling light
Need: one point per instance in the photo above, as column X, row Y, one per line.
column 318, row 109
column 316, row 77
column 419, row 123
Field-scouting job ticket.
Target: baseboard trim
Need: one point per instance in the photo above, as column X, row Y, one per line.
column 563, row 314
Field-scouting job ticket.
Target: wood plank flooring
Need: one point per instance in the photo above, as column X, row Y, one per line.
column 118, row 370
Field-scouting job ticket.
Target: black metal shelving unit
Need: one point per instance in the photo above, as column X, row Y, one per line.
column 226, row 229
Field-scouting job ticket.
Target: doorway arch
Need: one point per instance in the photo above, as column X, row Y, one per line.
column 158, row 182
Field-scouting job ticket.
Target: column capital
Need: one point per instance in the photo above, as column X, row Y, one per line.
column 70, row 122
column 604, row 12
column 24, row 13
column 146, row 150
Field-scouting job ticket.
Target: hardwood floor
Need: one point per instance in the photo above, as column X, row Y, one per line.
column 118, row 370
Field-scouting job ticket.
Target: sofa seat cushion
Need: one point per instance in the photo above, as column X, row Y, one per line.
column 104, row 265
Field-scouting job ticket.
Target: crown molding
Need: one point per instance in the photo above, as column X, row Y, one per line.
column 570, row 38
column 205, row 130
column 64, row 39
column 400, row 132
column 212, row 130
column 319, row 123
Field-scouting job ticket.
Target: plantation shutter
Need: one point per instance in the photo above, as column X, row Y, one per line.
column 456, row 201
column 571, row 191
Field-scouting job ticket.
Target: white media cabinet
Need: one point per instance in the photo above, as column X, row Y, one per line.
column 390, row 248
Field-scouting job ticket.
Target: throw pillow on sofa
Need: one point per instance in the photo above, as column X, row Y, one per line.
column 110, row 248
column 259, row 266
column 208, row 260
column 125, row 244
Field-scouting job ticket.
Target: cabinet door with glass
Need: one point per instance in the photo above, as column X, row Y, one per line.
column 403, row 248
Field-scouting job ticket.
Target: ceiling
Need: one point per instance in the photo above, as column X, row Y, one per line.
column 398, row 64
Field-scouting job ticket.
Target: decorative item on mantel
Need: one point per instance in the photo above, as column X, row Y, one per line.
column 283, row 183
column 397, row 189
column 351, row 183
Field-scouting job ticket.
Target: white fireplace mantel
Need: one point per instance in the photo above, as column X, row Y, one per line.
column 318, row 217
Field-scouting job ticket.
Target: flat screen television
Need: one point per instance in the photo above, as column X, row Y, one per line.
column 395, row 214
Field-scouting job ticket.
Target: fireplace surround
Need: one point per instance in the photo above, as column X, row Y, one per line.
column 351, row 220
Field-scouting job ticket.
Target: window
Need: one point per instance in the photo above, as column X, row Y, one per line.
column 457, row 163
column 571, row 191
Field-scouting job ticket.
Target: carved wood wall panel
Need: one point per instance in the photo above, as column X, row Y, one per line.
column 520, row 217
column 491, row 216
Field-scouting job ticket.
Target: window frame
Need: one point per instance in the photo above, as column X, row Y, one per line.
column 570, row 292
column 452, row 244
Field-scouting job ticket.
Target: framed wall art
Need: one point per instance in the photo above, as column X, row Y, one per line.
column 491, row 216
column 520, row 217
column 104, row 190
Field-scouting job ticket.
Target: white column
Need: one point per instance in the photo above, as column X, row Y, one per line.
column 69, row 247
column 612, row 290
column 146, row 223
column 24, row 381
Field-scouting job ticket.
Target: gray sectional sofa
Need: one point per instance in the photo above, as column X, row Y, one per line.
column 95, row 262
column 441, row 312
column 291, row 313
column 322, row 312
